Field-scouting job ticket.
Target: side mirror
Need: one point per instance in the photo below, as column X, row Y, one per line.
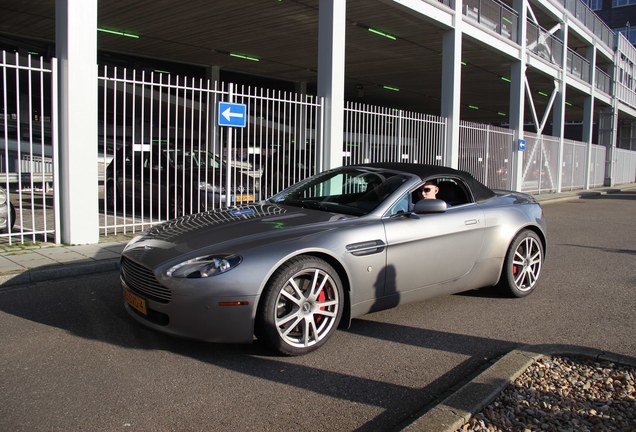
column 425, row 206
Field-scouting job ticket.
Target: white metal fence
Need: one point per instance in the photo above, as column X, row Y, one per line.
column 625, row 166
column 27, row 170
column 540, row 171
column 486, row 152
column 379, row 134
column 162, row 153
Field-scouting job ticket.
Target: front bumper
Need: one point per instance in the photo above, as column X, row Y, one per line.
column 207, row 317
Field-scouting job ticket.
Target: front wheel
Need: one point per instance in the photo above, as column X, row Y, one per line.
column 301, row 307
column 522, row 266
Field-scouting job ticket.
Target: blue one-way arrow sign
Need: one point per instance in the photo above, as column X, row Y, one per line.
column 232, row 114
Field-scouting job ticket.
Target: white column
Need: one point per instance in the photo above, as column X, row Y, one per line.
column 76, row 42
column 588, row 115
column 331, row 70
column 558, row 117
column 517, row 96
column 451, row 86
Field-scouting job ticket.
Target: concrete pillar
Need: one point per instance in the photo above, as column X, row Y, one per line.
column 517, row 97
column 76, row 50
column 588, row 115
column 558, row 115
column 451, row 86
column 331, row 70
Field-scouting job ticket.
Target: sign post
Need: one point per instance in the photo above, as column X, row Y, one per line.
column 231, row 115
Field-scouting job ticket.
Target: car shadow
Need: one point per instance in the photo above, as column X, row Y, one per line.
column 603, row 249
column 92, row 309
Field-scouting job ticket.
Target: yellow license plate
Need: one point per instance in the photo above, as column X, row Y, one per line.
column 244, row 198
column 135, row 301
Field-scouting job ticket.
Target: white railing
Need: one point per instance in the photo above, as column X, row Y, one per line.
column 589, row 19
column 540, row 164
column 495, row 16
column 603, row 81
column 578, row 66
column 152, row 121
column 486, row 152
column 27, row 168
column 543, row 44
column 164, row 154
column 379, row 134
column 597, row 165
column 625, row 166
column 573, row 165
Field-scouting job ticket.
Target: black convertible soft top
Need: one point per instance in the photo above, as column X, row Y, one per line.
column 480, row 191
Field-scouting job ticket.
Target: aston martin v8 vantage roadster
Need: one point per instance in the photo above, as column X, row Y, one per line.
column 335, row 246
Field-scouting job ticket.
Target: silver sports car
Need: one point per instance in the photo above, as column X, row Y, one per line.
column 335, row 246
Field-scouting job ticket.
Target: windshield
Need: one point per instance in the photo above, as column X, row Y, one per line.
column 186, row 159
column 351, row 191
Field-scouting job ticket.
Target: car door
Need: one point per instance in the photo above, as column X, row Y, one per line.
column 432, row 249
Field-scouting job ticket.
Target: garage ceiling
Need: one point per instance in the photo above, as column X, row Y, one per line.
column 283, row 34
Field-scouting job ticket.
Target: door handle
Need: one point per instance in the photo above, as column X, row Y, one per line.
column 471, row 222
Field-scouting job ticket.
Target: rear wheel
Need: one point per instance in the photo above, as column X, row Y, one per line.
column 301, row 307
column 522, row 266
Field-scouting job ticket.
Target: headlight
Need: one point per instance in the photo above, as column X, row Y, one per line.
column 3, row 197
column 205, row 266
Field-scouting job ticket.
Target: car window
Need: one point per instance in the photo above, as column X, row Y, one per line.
column 354, row 192
column 453, row 191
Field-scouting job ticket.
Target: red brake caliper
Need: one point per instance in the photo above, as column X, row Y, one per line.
column 321, row 298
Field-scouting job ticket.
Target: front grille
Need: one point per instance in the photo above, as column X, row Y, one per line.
column 142, row 280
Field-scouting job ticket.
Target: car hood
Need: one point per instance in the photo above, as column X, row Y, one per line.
column 226, row 231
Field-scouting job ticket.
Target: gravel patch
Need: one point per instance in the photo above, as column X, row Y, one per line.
column 562, row 394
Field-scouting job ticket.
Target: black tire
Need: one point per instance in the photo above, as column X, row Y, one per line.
column 522, row 266
column 12, row 213
column 10, row 220
column 301, row 306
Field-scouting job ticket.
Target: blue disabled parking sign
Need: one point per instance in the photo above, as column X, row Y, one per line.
column 232, row 114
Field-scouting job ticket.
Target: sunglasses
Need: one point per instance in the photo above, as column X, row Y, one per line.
column 427, row 189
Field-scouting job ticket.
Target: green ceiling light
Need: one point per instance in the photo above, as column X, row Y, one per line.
column 386, row 87
column 474, row 107
column 245, row 57
column 543, row 94
column 505, row 78
column 503, row 114
column 568, row 103
column 118, row 33
column 381, row 33
column 159, row 71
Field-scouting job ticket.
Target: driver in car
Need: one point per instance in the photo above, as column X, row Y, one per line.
column 429, row 190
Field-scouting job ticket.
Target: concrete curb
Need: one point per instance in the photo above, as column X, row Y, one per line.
column 550, row 198
column 473, row 397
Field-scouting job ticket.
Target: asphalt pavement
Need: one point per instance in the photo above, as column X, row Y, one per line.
column 24, row 264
